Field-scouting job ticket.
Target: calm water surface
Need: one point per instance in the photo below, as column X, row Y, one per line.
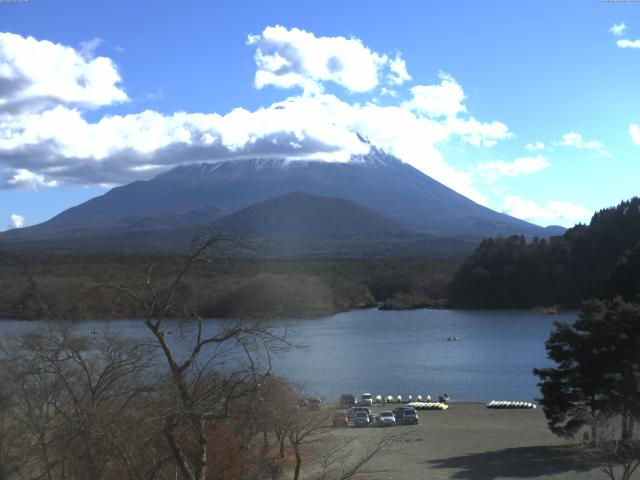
column 407, row 352
column 404, row 352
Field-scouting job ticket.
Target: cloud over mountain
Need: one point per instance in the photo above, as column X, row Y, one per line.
column 47, row 140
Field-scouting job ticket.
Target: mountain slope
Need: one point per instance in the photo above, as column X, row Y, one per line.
column 377, row 181
column 299, row 224
column 299, row 215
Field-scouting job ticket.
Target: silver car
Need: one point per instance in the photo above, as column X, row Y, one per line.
column 361, row 420
column 386, row 418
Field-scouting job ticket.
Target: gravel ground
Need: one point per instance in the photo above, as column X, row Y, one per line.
column 470, row 441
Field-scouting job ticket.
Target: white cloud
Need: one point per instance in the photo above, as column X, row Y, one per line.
column 634, row 133
column 398, row 68
column 59, row 146
column 476, row 133
column 443, row 100
column 535, row 146
column 553, row 212
column 25, row 180
column 36, row 74
column 618, row 29
column 624, row 43
column 520, row 166
column 16, row 221
column 388, row 91
column 88, row 47
column 289, row 58
column 575, row 140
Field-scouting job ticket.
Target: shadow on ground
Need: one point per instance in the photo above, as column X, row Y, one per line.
column 522, row 462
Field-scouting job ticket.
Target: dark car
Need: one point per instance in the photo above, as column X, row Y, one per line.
column 406, row 415
column 340, row 419
column 361, row 419
column 313, row 403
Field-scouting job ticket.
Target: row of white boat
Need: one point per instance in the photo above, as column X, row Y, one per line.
column 400, row 399
column 505, row 404
column 428, row 405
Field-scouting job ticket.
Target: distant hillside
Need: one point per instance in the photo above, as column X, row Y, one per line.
column 294, row 225
column 595, row 260
column 201, row 193
column 299, row 215
column 298, row 225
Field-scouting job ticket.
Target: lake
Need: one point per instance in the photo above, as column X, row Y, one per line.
column 405, row 352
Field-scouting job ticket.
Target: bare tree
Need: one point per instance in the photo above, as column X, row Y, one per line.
column 305, row 428
column 616, row 450
column 77, row 403
column 9, row 459
column 278, row 404
column 208, row 368
column 344, row 458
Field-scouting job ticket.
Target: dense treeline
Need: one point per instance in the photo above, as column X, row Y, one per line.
column 601, row 259
column 75, row 286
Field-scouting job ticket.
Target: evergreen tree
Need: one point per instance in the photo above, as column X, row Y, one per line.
column 601, row 260
column 598, row 369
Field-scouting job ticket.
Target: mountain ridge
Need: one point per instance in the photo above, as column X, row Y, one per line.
column 377, row 181
column 203, row 193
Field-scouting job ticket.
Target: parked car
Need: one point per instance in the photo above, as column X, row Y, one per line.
column 366, row 399
column 351, row 413
column 340, row 419
column 406, row 415
column 313, row 403
column 386, row 418
column 361, row 419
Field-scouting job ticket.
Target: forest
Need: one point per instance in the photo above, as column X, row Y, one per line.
column 78, row 286
column 600, row 260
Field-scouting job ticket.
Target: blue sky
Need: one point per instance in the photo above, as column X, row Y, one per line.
column 457, row 89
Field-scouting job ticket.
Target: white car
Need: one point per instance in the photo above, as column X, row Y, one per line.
column 386, row 418
column 366, row 399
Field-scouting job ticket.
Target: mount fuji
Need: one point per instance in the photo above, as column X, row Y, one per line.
column 376, row 188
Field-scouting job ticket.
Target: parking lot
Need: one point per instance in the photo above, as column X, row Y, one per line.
column 395, row 415
column 470, row 441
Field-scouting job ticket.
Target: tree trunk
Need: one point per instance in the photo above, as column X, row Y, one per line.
column 296, row 473
column 625, row 435
column 280, row 436
column 201, row 472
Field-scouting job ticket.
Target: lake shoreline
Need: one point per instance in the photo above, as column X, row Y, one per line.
column 308, row 315
column 389, row 352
